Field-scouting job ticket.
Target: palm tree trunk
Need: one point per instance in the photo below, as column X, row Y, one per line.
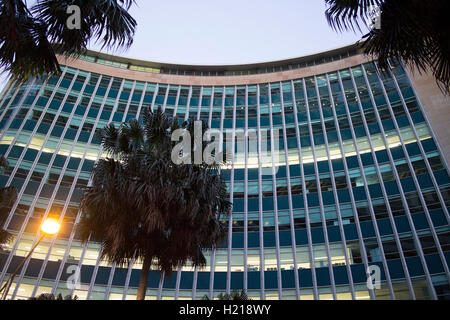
column 143, row 278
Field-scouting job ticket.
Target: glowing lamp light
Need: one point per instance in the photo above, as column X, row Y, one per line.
column 50, row 226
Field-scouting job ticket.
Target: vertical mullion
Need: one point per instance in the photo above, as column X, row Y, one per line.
column 160, row 285
column 260, row 204
column 274, row 195
column 246, row 150
column 141, row 102
column 422, row 151
column 194, row 283
column 2, row 134
column 319, row 190
column 213, row 252
column 94, row 273
column 419, row 192
column 58, row 184
column 79, row 266
column 113, row 267
column 99, row 155
column 177, row 285
column 288, row 178
column 350, row 189
column 34, row 130
column 17, row 107
column 164, row 106
column 22, row 190
column 110, row 279
column 305, row 198
column 152, row 107
column 80, row 166
column 335, row 194
column 128, row 102
column 127, row 279
column 188, row 104
column 200, row 103
column 177, row 101
column 36, row 197
column 131, row 264
column 230, row 218
column 195, row 277
column 366, row 189
column 219, row 169
column 24, row 121
column 383, row 187
column 66, row 253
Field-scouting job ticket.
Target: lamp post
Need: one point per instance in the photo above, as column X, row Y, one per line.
column 50, row 227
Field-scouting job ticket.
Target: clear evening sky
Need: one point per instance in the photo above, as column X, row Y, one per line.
column 230, row 32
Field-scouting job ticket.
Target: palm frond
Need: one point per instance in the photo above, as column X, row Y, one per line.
column 105, row 21
column 24, row 48
column 415, row 32
column 349, row 14
column 29, row 38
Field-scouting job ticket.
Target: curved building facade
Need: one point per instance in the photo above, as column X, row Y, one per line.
column 356, row 186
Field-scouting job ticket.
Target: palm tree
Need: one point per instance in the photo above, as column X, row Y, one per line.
column 49, row 296
column 29, row 37
column 8, row 196
column 234, row 295
column 415, row 31
column 142, row 206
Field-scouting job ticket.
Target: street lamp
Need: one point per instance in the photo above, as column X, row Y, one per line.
column 49, row 227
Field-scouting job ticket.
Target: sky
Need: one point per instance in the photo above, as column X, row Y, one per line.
column 212, row 32
column 231, row 31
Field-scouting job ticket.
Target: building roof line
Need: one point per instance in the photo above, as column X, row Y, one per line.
column 348, row 49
